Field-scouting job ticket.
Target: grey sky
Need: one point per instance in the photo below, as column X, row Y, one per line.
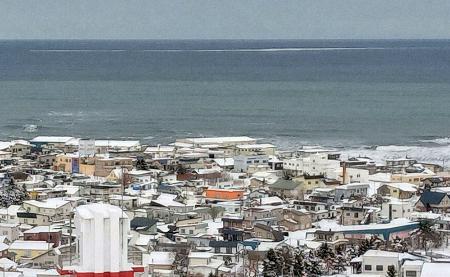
column 213, row 19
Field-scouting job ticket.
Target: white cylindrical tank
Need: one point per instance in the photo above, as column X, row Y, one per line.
column 102, row 232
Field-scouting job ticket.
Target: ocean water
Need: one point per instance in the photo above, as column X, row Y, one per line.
column 382, row 98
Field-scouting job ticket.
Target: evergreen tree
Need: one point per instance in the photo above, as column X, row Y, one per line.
column 299, row 263
column 272, row 264
column 13, row 194
column 391, row 272
column 312, row 266
column 325, row 252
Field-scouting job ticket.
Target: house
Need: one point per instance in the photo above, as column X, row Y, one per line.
column 353, row 189
column 29, row 249
column 9, row 214
column 20, row 148
column 393, row 208
column 10, row 230
column 294, row 220
column 51, row 142
column 378, row 262
column 159, row 261
column 54, row 208
column 203, row 263
column 269, row 215
column 255, row 149
column 43, row 233
column 224, row 194
column 250, row 164
column 411, row 268
column 3, row 251
column 126, row 201
column 352, row 215
column 263, row 231
column 224, row 246
column 287, row 189
column 398, row 190
column 144, row 225
column 435, row 181
column 191, row 227
column 438, row 202
column 219, row 141
column 434, row 269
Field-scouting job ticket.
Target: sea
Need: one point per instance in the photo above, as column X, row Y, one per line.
column 377, row 98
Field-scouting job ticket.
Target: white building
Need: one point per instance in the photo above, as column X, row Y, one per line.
column 244, row 163
column 378, row 262
column 312, row 162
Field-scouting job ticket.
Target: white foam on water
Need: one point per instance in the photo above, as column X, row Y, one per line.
column 431, row 154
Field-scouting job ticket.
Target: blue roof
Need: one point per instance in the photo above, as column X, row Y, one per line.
column 432, row 197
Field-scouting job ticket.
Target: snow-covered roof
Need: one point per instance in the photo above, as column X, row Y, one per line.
column 403, row 186
column 51, row 203
column 255, row 146
column 380, row 253
column 271, row 200
column 353, row 186
column 6, row 263
column 42, row 229
column 200, row 255
column 224, row 161
column 52, row 139
column 434, row 269
column 168, row 200
column 159, row 258
column 162, row 148
column 117, row 143
column 220, row 140
column 4, row 145
column 30, row 245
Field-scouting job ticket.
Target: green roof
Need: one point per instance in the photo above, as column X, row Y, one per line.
column 284, row 184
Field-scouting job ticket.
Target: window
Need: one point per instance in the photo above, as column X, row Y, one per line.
column 191, row 232
column 379, row 268
column 368, row 267
column 410, row 273
column 356, row 215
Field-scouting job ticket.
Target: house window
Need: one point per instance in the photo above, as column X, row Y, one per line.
column 368, row 267
column 379, row 268
column 410, row 273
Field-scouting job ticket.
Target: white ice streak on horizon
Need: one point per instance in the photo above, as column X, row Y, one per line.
column 287, row 49
column 78, row 50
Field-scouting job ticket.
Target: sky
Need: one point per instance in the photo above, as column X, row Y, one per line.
column 224, row 19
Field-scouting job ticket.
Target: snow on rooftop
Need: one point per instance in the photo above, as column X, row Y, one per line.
column 220, row 140
column 380, row 253
column 326, row 225
column 404, row 186
column 434, row 269
column 30, row 245
column 117, row 143
column 52, row 139
column 159, row 258
column 255, row 146
column 51, row 203
column 200, row 255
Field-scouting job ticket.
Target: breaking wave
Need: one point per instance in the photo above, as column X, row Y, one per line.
column 431, row 154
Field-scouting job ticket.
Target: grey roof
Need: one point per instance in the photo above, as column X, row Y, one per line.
column 142, row 223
